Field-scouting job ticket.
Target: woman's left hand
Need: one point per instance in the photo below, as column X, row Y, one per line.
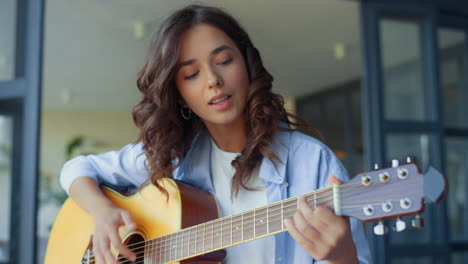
column 324, row 235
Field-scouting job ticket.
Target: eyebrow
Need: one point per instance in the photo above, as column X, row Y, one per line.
column 213, row 52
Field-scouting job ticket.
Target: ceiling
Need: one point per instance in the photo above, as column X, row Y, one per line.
column 92, row 54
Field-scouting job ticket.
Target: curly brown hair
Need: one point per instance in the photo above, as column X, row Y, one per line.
column 166, row 135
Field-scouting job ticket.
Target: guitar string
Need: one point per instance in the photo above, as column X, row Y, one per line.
column 183, row 256
column 327, row 189
column 262, row 229
column 176, row 238
column 184, row 245
column 292, row 199
column 184, row 250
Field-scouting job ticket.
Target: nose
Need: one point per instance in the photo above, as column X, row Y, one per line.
column 214, row 79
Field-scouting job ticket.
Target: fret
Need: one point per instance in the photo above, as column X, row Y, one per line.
column 290, row 207
column 254, row 224
column 236, row 229
column 164, row 249
column 242, row 228
column 274, row 218
column 207, row 236
column 261, row 222
column 160, row 250
column 267, row 221
column 172, row 247
column 248, row 230
column 315, row 200
column 212, row 235
column 200, row 239
column 217, row 240
column 185, row 243
column 230, row 228
column 147, row 248
column 226, row 231
column 204, row 237
column 192, row 245
column 181, row 246
column 176, row 248
column 282, row 215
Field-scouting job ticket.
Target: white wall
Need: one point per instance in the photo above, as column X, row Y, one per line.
column 112, row 129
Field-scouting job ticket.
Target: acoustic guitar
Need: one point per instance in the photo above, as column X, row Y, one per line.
column 185, row 228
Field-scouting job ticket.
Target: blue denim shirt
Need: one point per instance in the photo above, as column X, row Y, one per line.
column 305, row 166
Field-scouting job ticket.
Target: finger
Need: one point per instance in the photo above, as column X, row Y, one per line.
column 304, row 207
column 123, row 249
column 298, row 237
column 102, row 249
column 128, row 221
column 307, row 231
column 98, row 256
column 333, row 180
column 110, row 259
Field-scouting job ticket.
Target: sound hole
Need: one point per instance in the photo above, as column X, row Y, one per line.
column 135, row 243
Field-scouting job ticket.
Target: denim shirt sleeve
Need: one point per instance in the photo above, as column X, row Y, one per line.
column 123, row 170
column 310, row 163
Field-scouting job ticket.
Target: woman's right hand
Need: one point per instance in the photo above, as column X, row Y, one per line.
column 107, row 219
column 106, row 233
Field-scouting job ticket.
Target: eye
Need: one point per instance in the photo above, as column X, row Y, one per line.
column 188, row 77
column 226, row 61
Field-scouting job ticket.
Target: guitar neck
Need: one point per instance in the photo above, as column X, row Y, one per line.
column 231, row 230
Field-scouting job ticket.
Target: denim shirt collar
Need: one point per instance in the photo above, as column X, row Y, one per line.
column 196, row 167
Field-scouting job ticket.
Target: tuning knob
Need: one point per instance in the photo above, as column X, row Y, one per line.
column 409, row 159
column 400, row 225
column 395, row 163
column 418, row 222
column 376, row 166
column 380, row 229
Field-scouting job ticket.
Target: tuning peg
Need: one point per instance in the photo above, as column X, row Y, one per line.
column 380, row 229
column 395, row 163
column 418, row 222
column 409, row 159
column 376, row 166
column 400, row 225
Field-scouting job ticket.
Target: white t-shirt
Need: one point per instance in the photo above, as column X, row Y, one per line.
column 260, row 251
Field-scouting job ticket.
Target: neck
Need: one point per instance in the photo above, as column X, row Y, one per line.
column 229, row 137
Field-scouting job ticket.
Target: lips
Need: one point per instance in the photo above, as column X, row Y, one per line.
column 219, row 99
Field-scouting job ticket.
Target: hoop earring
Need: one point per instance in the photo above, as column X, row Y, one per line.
column 186, row 116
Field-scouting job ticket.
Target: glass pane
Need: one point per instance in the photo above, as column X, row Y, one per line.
column 418, row 260
column 454, row 77
column 460, row 258
column 420, row 146
column 310, row 111
column 357, row 145
column 457, row 173
column 402, row 69
column 6, row 128
column 334, row 133
column 7, row 39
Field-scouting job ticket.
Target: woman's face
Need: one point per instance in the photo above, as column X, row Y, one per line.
column 212, row 76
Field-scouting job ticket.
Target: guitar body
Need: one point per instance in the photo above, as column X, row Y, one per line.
column 154, row 215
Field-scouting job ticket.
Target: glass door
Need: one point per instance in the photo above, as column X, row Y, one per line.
column 20, row 79
column 453, row 56
column 402, row 109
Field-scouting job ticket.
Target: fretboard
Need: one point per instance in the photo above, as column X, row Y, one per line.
column 231, row 230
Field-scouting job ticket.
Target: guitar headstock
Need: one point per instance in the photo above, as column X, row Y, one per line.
column 391, row 193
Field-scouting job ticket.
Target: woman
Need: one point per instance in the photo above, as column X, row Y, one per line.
column 208, row 117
